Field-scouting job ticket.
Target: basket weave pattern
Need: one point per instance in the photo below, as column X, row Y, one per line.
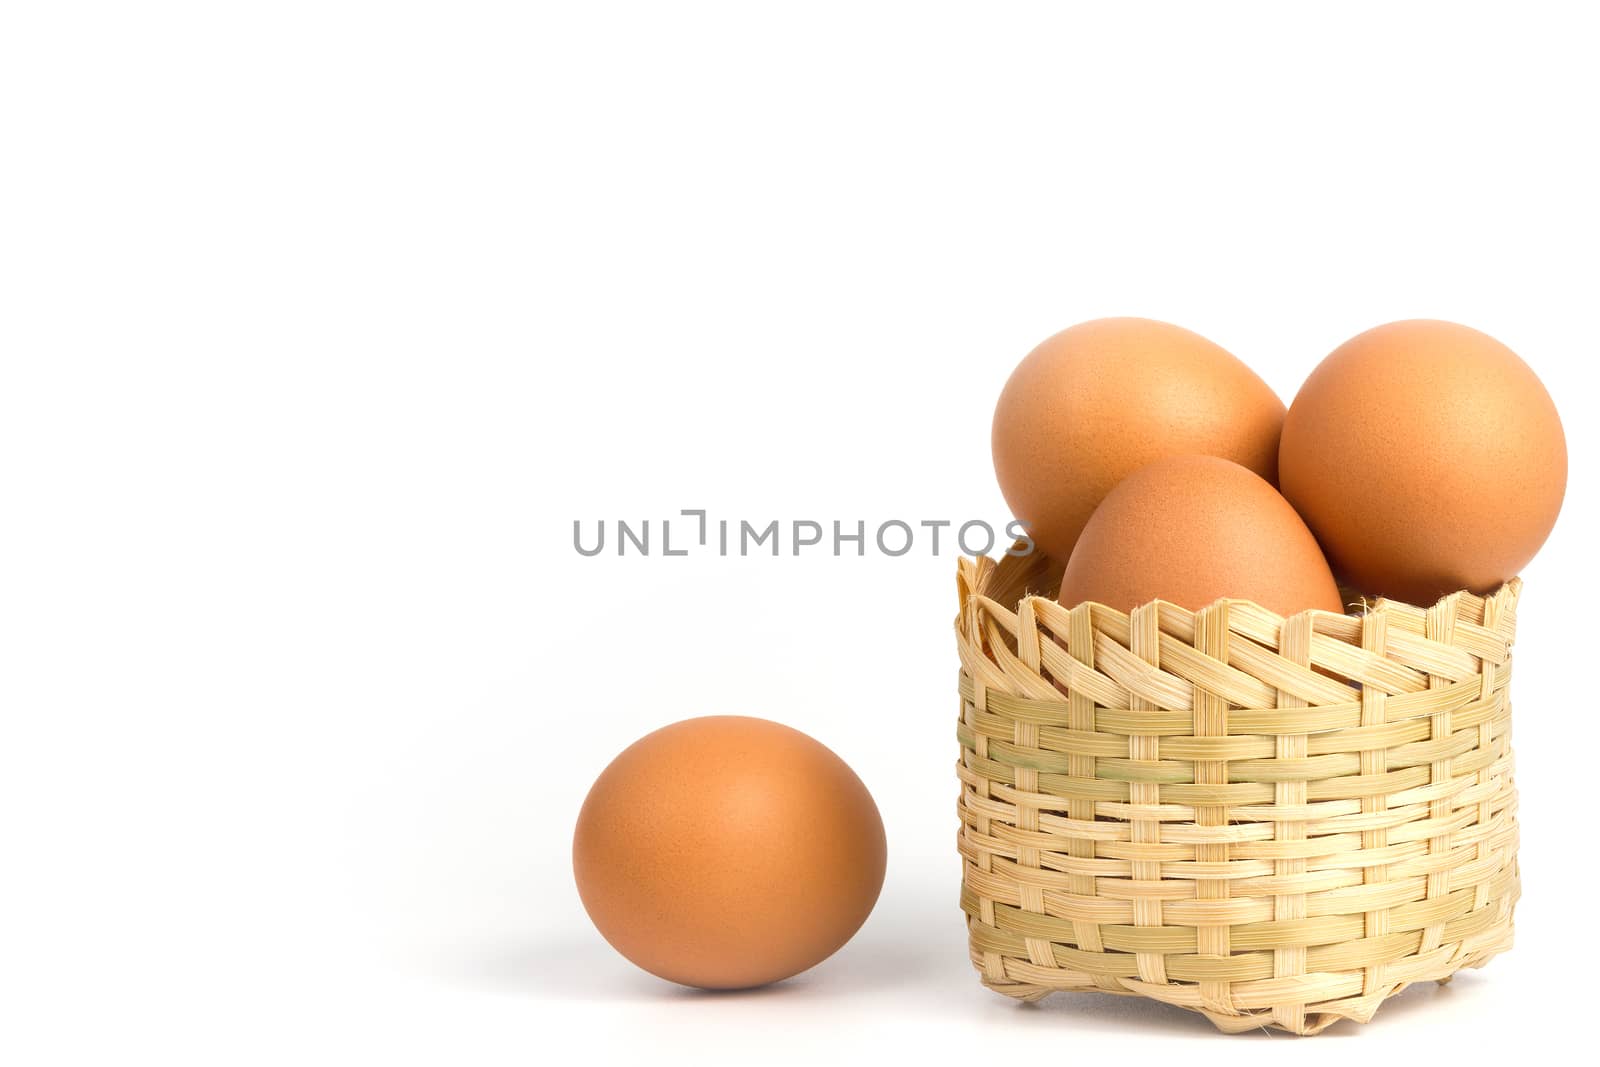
column 1274, row 822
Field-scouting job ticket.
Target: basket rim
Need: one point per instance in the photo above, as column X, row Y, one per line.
column 973, row 575
column 998, row 610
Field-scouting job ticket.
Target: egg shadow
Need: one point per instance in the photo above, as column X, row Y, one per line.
column 548, row 968
column 579, row 968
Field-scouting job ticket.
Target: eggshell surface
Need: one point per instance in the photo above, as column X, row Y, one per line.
column 1191, row 530
column 727, row 852
column 1427, row 457
column 1097, row 401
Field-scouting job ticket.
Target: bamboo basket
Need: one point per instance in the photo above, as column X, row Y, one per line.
column 1273, row 822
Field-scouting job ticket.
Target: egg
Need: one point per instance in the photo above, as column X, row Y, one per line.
column 1099, row 400
column 727, row 852
column 1427, row 457
column 1193, row 529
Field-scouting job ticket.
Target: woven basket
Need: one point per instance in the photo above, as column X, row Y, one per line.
column 1273, row 822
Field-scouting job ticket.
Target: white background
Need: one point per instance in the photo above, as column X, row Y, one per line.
column 321, row 323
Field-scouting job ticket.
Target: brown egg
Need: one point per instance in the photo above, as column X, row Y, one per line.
column 1427, row 458
column 1192, row 529
column 1099, row 400
column 728, row 852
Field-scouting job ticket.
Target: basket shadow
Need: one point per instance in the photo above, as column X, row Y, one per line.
column 1143, row 1016
column 1113, row 1014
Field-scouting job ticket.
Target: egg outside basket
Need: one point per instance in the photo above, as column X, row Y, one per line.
column 1273, row 822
